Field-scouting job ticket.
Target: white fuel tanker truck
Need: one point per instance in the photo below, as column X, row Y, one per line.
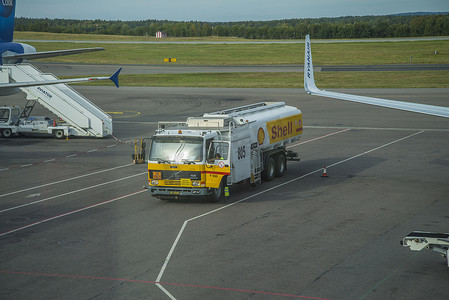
column 204, row 155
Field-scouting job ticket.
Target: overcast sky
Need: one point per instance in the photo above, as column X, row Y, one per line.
column 219, row 10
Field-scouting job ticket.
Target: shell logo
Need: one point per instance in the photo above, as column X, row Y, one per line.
column 260, row 136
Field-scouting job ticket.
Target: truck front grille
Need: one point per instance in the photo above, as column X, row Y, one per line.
column 173, row 182
column 175, row 175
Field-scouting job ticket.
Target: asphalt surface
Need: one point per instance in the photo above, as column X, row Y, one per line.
column 74, row 69
column 75, row 222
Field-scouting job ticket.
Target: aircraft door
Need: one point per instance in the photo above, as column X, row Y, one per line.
column 217, row 162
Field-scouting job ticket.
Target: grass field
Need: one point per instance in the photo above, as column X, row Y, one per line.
column 257, row 54
column 422, row 52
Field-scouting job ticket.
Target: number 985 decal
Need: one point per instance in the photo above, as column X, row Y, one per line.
column 241, row 152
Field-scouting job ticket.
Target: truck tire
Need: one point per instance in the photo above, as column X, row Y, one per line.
column 218, row 193
column 281, row 165
column 6, row 132
column 58, row 133
column 268, row 173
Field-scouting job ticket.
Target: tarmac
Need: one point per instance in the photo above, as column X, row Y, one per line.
column 76, row 222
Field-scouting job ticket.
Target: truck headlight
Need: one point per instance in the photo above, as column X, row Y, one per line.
column 195, row 183
column 154, row 182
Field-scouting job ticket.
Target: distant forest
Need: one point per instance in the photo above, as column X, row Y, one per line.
column 322, row 28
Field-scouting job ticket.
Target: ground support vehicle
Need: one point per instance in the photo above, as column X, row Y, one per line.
column 204, row 155
column 438, row 242
column 13, row 120
column 81, row 116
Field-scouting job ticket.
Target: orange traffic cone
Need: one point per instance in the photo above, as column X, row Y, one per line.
column 324, row 172
column 54, row 123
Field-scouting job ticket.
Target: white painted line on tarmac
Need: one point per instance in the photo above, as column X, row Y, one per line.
column 71, row 192
column 33, row 195
column 65, row 180
column 165, row 291
column 379, row 128
column 58, row 158
column 157, row 283
column 184, row 225
column 377, row 148
column 318, row 138
column 69, row 213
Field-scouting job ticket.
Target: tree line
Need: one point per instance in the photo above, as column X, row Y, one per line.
column 321, row 28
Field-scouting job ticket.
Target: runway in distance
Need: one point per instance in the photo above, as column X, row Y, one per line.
column 12, row 54
column 311, row 88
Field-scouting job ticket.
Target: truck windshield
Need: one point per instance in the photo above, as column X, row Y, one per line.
column 176, row 149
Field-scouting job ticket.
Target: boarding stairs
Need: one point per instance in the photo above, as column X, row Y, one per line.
column 83, row 117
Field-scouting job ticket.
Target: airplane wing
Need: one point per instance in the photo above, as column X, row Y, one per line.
column 113, row 78
column 311, row 88
column 11, row 57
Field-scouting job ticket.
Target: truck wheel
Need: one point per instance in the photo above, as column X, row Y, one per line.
column 281, row 165
column 59, row 133
column 7, row 133
column 217, row 194
column 268, row 173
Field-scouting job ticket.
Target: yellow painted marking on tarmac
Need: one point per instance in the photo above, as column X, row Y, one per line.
column 124, row 114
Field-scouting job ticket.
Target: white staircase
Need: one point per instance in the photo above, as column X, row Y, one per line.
column 84, row 117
